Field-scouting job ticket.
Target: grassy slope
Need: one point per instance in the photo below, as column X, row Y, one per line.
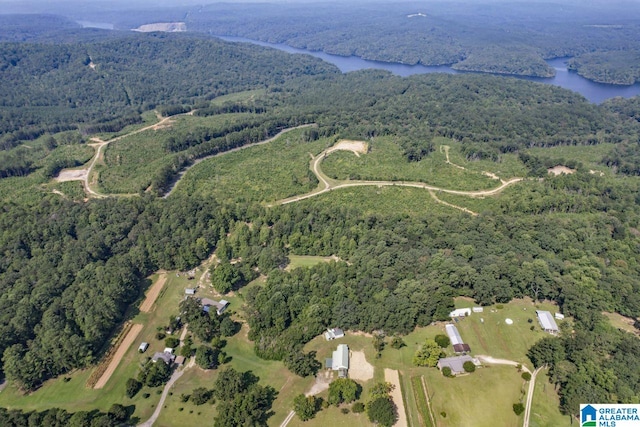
column 544, row 410
column 264, row 173
column 386, row 162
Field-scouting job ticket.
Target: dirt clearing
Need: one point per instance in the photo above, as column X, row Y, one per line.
column 118, row 355
column 359, row 368
column 559, row 170
column 72, row 175
column 392, row 376
column 357, row 147
column 153, row 293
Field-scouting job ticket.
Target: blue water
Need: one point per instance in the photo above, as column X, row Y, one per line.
column 594, row 92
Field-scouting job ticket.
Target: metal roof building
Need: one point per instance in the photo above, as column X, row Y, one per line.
column 546, row 322
column 454, row 335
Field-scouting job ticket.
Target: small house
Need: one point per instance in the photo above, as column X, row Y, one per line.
column 190, row 291
column 340, row 360
column 456, row 363
column 546, row 322
column 167, row 358
column 143, row 347
column 219, row 306
column 460, row 312
column 333, row 333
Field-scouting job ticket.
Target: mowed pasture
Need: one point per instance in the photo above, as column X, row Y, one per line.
column 481, row 399
column 544, row 408
column 487, row 333
column 385, row 161
column 264, row 173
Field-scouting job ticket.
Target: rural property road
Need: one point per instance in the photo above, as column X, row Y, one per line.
column 532, row 382
column 327, row 184
column 527, row 408
column 176, row 375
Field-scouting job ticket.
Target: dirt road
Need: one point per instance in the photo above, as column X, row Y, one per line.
column 392, row 376
column 328, row 184
column 527, row 406
column 153, row 293
column 119, row 354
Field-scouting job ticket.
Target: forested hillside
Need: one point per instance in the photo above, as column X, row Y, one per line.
column 71, row 268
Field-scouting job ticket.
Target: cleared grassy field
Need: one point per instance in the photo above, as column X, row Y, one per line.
column 481, row 399
column 419, row 399
column 296, row 261
column 544, row 409
column 621, row 322
column 371, row 200
column 266, row 172
column 130, row 162
column 494, row 337
column 386, row 162
column 509, row 166
column 589, row 155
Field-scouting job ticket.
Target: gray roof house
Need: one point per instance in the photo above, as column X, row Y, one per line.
column 547, row 323
column 219, row 306
column 167, row 358
column 456, row 363
column 333, row 334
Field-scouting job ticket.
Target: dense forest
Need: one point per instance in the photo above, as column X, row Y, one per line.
column 71, row 270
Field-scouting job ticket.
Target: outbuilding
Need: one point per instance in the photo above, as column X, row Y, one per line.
column 333, row 333
column 546, row 322
column 218, row 306
column 143, row 347
column 460, row 312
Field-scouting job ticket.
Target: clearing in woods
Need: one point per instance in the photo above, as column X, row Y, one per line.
column 153, row 293
column 122, row 349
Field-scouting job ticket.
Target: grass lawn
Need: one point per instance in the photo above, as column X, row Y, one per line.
column 296, row 261
column 386, row 162
column 266, row 172
column 621, row 322
column 483, row 398
column 494, row 337
column 545, row 407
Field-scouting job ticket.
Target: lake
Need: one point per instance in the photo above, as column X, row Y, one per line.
column 594, row 92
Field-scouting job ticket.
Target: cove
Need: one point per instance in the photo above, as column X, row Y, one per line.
column 594, row 92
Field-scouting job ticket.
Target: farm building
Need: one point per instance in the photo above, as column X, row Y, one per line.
column 340, row 360
column 167, row 358
column 333, row 333
column 478, row 309
column 179, row 360
column 456, row 340
column 190, row 291
column 143, row 347
column 219, row 306
column 559, row 316
column 546, row 322
column 460, row 312
column 456, row 363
